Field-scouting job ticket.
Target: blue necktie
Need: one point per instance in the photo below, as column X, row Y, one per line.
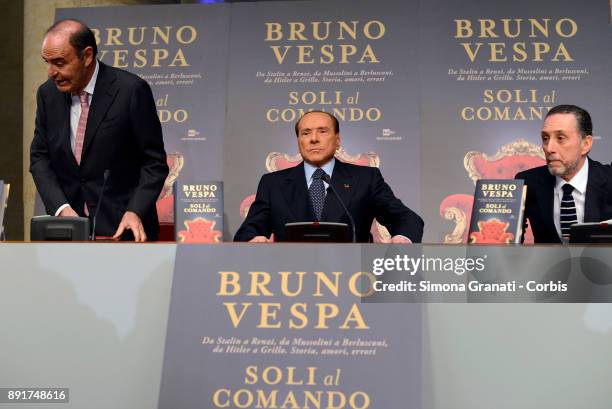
column 567, row 212
column 317, row 192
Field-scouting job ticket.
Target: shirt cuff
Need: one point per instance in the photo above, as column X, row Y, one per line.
column 62, row 207
column 401, row 235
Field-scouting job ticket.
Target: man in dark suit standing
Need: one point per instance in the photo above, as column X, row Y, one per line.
column 299, row 194
column 570, row 188
column 95, row 122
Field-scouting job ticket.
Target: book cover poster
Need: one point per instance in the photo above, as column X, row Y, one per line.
column 285, row 326
column 199, row 211
column 356, row 59
column 497, row 214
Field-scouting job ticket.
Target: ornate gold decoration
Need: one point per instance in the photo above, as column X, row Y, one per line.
column 518, row 147
column 273, row 157
column 175, row 169
column 458, row 216
column 372, row 158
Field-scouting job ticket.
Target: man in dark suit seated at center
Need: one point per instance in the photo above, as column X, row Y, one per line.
column 571, row 187
column 300, row 194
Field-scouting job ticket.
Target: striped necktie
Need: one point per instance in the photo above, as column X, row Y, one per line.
column 568, row 211
column 80, row 133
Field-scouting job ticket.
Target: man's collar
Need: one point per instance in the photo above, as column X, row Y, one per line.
column 310, row 169
column 579, row 181
column 92, row 82
column 91, row 85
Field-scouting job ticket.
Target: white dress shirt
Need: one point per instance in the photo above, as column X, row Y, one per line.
column 579, row 182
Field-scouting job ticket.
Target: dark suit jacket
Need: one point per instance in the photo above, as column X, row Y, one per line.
column 282, row 197
column 540, row 199
column 123, row 135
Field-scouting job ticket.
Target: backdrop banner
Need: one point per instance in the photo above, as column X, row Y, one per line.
column 490, row 71
column 436, row 93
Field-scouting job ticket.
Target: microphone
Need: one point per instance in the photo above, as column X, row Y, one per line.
column 93, row 231
column 327, row 180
